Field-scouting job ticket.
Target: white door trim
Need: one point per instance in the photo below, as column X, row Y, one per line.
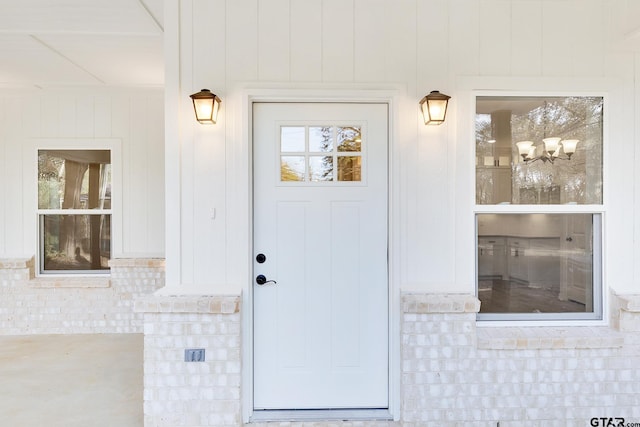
column 386, row 96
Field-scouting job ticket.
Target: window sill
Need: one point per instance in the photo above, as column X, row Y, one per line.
column 70, row 282
column 542, row 338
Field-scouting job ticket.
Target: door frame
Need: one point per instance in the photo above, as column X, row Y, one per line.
column 388, row 96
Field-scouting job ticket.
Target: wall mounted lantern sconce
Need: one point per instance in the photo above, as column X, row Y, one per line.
column 434, row 107
column 206, row 105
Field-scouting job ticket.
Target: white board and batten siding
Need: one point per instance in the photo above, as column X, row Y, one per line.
column 412, row 46
column 135, row 118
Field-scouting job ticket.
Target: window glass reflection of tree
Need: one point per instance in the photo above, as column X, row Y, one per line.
column 349, row 141
column 578, row 180
column 328, row 146
column 322, row 167
column 72, row 180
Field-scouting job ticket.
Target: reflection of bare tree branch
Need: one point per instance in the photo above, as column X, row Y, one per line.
column 74, row 174
column 327, row 162
column 577, row 180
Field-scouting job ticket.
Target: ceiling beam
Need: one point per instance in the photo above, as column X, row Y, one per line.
column 72, row 62
column 151, row 15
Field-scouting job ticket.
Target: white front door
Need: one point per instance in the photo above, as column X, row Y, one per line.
column 320, row 240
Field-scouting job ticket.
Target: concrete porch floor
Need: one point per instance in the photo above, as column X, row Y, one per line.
column 71, row 380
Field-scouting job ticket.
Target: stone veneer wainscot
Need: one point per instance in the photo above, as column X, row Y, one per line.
column 179, row 393
column 453, row 373
column 75, row 305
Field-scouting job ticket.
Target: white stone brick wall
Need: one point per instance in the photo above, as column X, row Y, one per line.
column 179, row 393
column 454, row 374
column 67, row 305
column 629, row 309
column 327, row 424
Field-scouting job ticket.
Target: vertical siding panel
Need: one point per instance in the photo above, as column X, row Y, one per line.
column 173, row 95
column 15, row 229
column 624, row 20
column 631, row 15
column 33, row 115
column 463, row 37
column 558, row 26
column 26, row 161
column 273, row 41
column 620, row 65
column 432, row 46
column 209, row 172
column 211, row 162
column 370, row 19
column 136, row 118
column 208, row 155
column 621, row 218
column 209, row 68
column 30, row 108
column 188, row 237
column 495, row 37
column 67, row 116
column 136, row 182
column 85, row 117
column 142, row 199
column 154, row 193
column 306, row 41
column 400, row 33
column 633, row 136
column 526, row 35
column 50, row 117
column 5, row 179
column 102, row 116
column 429, row 161
column 337, row 40
column 203, row 161
column 121, row 128
column 242, row 40
column 591, row 34
column 399, row 53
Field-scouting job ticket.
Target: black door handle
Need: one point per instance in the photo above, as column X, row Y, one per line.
column 262, row 280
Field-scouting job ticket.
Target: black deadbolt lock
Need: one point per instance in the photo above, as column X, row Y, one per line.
column 261, row 258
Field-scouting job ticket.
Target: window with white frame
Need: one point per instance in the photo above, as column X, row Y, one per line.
column 74, row 210
column 539, row 207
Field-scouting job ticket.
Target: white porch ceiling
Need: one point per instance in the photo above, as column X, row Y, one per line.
column 53, row 43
